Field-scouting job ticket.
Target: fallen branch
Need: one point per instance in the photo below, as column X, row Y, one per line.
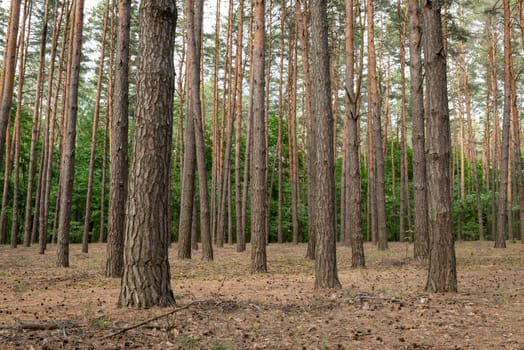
column 149, row 320
column 46, row 326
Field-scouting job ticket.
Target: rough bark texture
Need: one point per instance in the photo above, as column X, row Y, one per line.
column 322, row 122
column 118, row 168
column 9, row 76
column 146, row 280
column 442, row 274
column 502, row 229
column 258, row 169
column 374, row 112
column 353, row 208
column 67, row 168
column 421, row 238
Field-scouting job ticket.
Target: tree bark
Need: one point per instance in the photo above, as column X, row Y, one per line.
column 326, row 275
column 375, row 111
column 502, row 229
column 146, row 280
column 353, row 211
column 67, row 167
column 442, row 274
column 96, row 114
column 118, row 168
column 258, row 177
column 421, row 237
column 9, row 77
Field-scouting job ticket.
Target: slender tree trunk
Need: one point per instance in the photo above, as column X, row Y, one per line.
column 9, row 74
column 280, row 235
column 353, row 190
column 24, row 44
column 421, row 237
column 118, row 168
column 471, row 138
column 374, row 108
column 194, row 43
column 442, row 274
column 502, row 230
column 28, row 227
column 249, row 138
column 68, row 161
column 96, row 114
column 147, row 279
column 238, row 128
column 7, row 176
column 258, row 175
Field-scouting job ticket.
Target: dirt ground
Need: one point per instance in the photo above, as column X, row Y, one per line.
column 225, row 307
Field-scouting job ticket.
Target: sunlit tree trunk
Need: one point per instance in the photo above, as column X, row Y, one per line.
column 258, row 169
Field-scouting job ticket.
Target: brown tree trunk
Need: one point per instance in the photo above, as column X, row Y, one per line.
column 280, row 235
column 442, row 274
column 502, row 230
column 96, row 114
column 29, row 205
column 375, row 111
column 326, row 275
column 146, row 280
column 258, row 169
column 118, row 167
column 49, row 130
column 68, row 161
column 353, row 210
column 421, row 237
column 194, row 44
column 240, row 232
column 472, row 141
column 8, row 78
column 24, row 44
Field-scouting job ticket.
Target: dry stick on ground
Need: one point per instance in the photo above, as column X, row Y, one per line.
column 149, row 320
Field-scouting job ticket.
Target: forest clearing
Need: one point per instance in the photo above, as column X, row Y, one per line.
column 382, row 306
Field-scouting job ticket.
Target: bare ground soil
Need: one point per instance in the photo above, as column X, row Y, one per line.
column 225, row 307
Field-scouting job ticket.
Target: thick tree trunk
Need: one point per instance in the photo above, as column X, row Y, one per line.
column 442, row 274
column 146, row 280
column 326, row 275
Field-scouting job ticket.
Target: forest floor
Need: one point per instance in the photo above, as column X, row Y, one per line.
column 225, row 307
